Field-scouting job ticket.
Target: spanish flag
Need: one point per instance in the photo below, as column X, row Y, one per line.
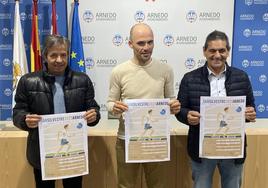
column 54, row 18
column 35, row 45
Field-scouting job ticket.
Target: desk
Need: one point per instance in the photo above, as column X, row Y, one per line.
column 17, row 173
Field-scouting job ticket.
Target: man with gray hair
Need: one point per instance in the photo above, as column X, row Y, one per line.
column 217, row 79
column 54, row 90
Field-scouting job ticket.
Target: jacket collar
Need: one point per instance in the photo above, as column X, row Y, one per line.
column 205, row 69
column 51, row 78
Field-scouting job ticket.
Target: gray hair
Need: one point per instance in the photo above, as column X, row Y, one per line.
column 217, row 35
column 54, row 40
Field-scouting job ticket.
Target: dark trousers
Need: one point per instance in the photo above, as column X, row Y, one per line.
column 75, row 182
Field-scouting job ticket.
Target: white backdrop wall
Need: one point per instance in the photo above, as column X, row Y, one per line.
column 180, row 28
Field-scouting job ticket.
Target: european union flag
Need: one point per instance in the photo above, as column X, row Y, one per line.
column 77, row 62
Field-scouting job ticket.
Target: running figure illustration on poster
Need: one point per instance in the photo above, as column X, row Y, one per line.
column 63, row 137
column 222, row 121
column 147, row 123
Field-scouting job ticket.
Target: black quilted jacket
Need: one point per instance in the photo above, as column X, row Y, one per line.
column 34, row 96
column 195, row 84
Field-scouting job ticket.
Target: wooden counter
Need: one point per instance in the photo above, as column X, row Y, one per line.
column 17, row 173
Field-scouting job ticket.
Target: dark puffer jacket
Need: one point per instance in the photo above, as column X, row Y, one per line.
column 195, row 84
column 34, row 96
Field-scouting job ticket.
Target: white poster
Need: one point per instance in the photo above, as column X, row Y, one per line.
column 222, row 127
column 63, row 145
column 147, row 137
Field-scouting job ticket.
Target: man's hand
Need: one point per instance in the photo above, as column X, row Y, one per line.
column 32, row 120
column 119, row 107
column 250, row 114
column 193, row 117
column 175, row 106
column 90, row 116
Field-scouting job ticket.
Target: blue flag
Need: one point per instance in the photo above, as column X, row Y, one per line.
column 77, row 62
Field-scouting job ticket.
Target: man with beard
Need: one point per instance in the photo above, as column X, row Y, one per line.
column 141, row 77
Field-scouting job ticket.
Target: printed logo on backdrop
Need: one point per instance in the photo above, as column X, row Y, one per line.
column 117, row 40
column 261, row 107
column 209, row 16
column 89, row 63
column 247, row 32
column 88, row 16
column 103, row 107
column 248, row 2
column 6, row 77
column 139, row 16
column 168, row 40
column 5, row 31
column 4, row 2
column 106, row 62
column 5, row 16
column 191, row 16
column 163, row 60
column 201, row 62
column 189, row 63
column 5, row 106
column 245, row 63
column 23, row 16
column 106, row 16
column 254, row 63
column 13, row 1
column 5, row 46
column 88, row 39
column 45, row 1
column 265, row 17
column 46, row 31
column 245, row 48
column 247, row 17
column 262, row 78
column 8, row 92
column 258, row 93
column 177, row 85
column 254, row 32
column 189, row 39
column 6, row 62
column 260, row 2
column 264, row 48
column 157, row 16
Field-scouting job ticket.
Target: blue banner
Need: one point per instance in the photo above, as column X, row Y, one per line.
column 250, row 48
column 7, row 9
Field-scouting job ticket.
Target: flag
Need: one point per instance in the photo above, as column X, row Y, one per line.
column 77, row 62
column 20, row 66
column 35, row 45
column 54, row 18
